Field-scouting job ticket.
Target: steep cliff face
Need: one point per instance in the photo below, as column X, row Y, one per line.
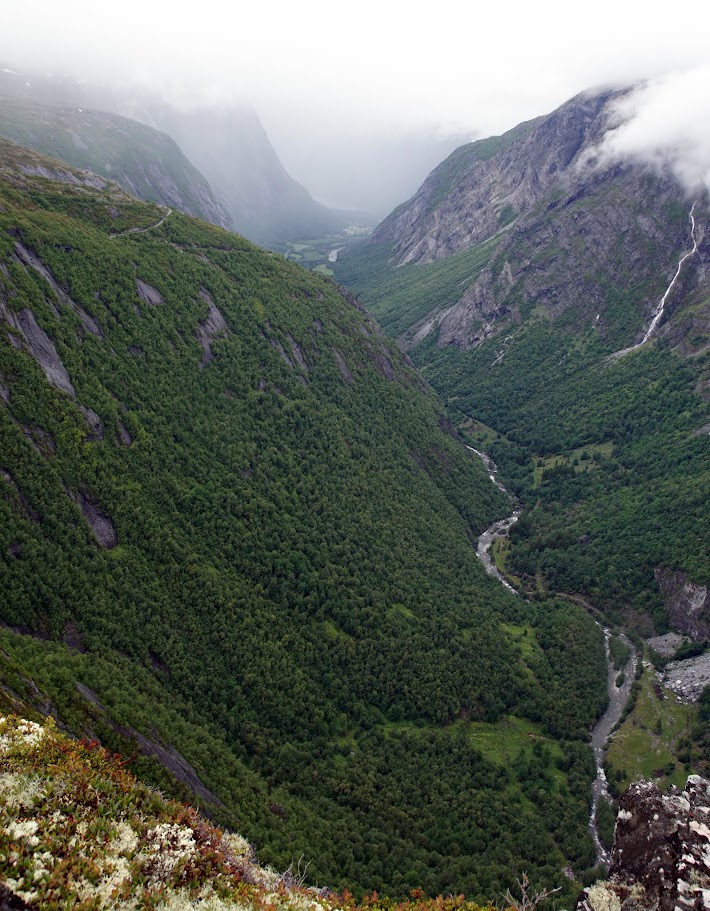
column 141, row 159
column 661, row 854
column 596, row 246
column 688, row 604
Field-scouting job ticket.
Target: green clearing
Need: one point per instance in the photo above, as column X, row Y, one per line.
column 647, row 743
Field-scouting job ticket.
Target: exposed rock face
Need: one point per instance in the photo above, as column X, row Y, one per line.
column 214, row 326
column 342, row 366
column 94, row 424
column 564, row 236
column 688, row 604
column 661, row 854
column 124, row 434
column 461, row 202
column 30, row 259
column 148, row 293
column 40, row 347
column 101, row 525
column 165, row 753
column 20, row 500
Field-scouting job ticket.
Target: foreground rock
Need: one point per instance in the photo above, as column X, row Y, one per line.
column 661, row 855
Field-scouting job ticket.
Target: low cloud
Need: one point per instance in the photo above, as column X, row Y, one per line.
column 665, row 123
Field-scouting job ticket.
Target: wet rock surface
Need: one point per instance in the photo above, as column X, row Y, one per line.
column 40, row 347
column 148, row 293
column 165, row 753
column 29, row 259
column 102, row 527
column 661, row 855
column 94, row 424
column 342, row 366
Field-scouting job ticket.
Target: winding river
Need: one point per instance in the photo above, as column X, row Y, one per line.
column 618, row 695
column 499, row 529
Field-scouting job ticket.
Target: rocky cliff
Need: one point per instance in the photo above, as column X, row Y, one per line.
column 593, row 246
column 232, row 148
column 661, row 854
column 688, row 604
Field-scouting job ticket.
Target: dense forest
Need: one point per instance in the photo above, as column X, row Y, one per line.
column 236, row 523
column 609, row 457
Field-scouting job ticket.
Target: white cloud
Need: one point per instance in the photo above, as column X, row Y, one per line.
column 666, row 123
column 319, row 71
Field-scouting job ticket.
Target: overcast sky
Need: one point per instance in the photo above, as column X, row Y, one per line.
column 320, row 71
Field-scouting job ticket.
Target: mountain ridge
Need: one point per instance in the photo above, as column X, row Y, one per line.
column 146, row 163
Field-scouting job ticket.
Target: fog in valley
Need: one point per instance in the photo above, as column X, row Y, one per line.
column 360, row 101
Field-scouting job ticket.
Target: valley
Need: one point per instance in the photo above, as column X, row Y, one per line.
column 236, row 548
column 618, row 686
column 574, row 352
column 387, row 549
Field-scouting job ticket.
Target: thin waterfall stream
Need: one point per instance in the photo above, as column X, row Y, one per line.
column 660, row 308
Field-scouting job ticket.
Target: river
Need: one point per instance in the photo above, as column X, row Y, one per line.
column 618, row 696
column 499, row 529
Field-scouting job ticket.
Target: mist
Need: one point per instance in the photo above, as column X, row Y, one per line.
column 361, row 100
column 664, row 123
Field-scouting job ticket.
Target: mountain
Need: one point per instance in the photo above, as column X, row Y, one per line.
column 231, row 148
column 228, row 144
column 142, row 160
column 236, row 545
column 520, row 277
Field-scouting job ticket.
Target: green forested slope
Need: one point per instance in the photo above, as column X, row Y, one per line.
column 609, row 458
column 242, row 521
column 143, row 160
column 517, row 325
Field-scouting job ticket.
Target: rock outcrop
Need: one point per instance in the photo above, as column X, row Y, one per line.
column 661, row 855
column 688, row 604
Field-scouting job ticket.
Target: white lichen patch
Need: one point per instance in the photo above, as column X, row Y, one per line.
column 20, row 733
column 239, row 846
column 183, row 901
column 603, row 898
column 115, row 874
column 165, row 847
column 19, row 791
column 24, row 830
column 125, row 840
